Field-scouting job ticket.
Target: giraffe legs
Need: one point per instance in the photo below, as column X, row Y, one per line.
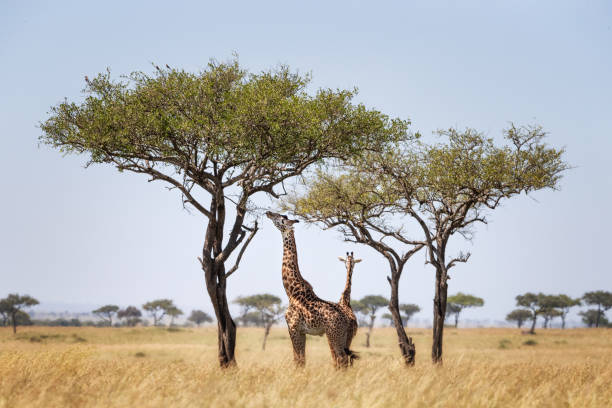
column 337, row 348
column 298, row 337
column 298, row 340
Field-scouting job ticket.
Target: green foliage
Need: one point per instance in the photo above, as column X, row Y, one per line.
column 11, row 309
column 131, row 315
column 159, row 308
column 530, row 343
column 407, row 310
column 267, row 309
column 594, row 318
column 456, row 303
column 106, row 313
column 463, row 301
column 530, row 301
column 265, row 121
column 198, row 317
column 369, row 305
column 519, row 316
column 602, row 299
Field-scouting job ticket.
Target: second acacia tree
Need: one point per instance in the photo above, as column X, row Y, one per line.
column 444, row 188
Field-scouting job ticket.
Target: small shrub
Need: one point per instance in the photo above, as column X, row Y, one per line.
column 78, row 339
column 140, row 354
column 174, row 329
column 530, row 343
column 504, row 343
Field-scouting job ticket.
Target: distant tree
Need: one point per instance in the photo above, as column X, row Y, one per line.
column 158, row 309
column 462, row 301
column 252, row 319
column 594, row 317
column 106, row 313
column 131, row 315
column 530, row 301
column 549, row 306
column 389, row 318
column 13, row 305
column 602, row 299
column 565, row 303
column 368, row 306
column 519, row 316
column 245, row 308
column 173, row 312
column 23, row 319
column 198, row 317
column 407, row 310
column 549, row 314
column 452, row 310
column 267, row 306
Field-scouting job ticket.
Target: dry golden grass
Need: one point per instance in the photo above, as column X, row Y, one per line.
column 153, row 367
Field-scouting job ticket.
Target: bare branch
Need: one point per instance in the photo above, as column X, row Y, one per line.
column 242, row 249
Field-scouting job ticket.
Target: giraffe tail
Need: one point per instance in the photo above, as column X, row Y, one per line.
column 351, row 355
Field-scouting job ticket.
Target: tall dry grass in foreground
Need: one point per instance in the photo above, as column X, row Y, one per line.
column 154, row 367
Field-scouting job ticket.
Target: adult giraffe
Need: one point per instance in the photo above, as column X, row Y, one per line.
column 307, row 313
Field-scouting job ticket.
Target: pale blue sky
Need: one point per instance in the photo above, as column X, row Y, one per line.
column 93, row 236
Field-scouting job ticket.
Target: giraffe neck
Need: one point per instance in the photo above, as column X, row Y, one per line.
column 345, row 299
column 293, row 281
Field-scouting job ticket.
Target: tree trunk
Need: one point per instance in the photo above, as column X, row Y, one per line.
column 533, row 324
column 519, row 323
column 562, row 321
column 370, row 328
column 14, row 319
column 456, row 320
column 439, row 314
column 226, row 328
column 405, row 343
column 598, row 313
column 267, row 332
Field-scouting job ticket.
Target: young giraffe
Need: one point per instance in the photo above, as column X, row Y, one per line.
column 307, row 313
column 345, row 301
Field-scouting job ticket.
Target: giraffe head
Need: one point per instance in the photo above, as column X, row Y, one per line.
column 281, row 222
column 349, row 261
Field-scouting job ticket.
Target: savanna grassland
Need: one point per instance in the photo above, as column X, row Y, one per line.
column 155, row 367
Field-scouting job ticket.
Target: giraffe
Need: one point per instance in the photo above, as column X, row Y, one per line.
column 345, row 300
column 307, row 313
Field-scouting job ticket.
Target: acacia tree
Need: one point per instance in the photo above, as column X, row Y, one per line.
column 407, row 310
column 173, row 312
column 106, row 313
column 602, row 299
column 519, row 316
column 462, row 301
column 368, row 306
column 130, row 314
column 267, row 307
column 12, row 306
column 361, row 208
column 594, row 317
column 219, row 137
column 198, row 317
column 565, row 303
column 531, row 301
column 158, row 309
column 448, row 187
